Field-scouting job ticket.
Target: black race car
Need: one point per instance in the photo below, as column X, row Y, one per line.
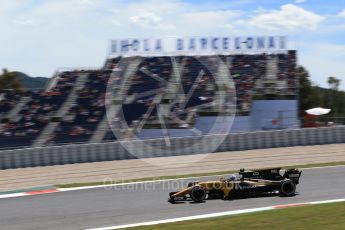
column 246, row 183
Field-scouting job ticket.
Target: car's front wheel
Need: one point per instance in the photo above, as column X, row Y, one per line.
column 198, row 194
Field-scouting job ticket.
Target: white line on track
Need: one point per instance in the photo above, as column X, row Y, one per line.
column 217, row 214
column 12, row 195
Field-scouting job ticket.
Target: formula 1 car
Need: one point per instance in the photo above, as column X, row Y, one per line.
column 245, row 184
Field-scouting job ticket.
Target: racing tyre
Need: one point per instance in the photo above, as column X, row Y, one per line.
column 198, row 194
column 287, row 188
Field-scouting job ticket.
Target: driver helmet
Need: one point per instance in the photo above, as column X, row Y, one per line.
column 232, row 178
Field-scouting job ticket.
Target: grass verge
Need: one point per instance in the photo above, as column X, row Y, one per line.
column 73, row 185
column 316, row 217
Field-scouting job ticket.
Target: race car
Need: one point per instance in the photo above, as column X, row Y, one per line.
column 247, row 183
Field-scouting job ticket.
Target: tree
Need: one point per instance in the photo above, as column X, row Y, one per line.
column 10, row 81
column 334, row 83
column 335, row 98
column 309, row 95
column 314, row 96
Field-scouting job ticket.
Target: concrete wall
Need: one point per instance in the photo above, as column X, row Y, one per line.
column 274, row 114
column 204, row 124
column 264, row 115
column 158, row 133
column 70, row 154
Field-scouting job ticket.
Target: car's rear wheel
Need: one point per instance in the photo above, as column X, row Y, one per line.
column 287, row 188
column 198, row 194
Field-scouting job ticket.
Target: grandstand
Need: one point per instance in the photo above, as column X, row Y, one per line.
column 73, row 108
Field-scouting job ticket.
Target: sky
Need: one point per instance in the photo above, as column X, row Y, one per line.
column 39, row 37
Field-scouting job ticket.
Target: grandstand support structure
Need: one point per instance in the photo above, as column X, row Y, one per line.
column 103, row 126
column 221, row 81
column 72, row 98
column 272, row 69
column 13, row 114
column 101, row 130
column 271, row 75
column 177, row 70
column 52, row 82
column 132, row 66
column 114, row 105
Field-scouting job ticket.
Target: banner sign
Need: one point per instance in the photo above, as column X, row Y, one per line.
column 197, row 45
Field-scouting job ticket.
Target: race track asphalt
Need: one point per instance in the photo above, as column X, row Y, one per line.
column 100, row 207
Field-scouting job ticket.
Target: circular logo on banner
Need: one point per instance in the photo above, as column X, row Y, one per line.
column 169, row 106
